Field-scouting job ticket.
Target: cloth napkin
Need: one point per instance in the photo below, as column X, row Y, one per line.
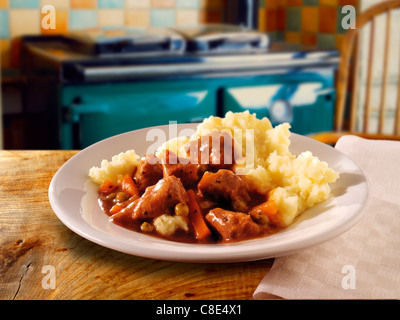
column 363, row 262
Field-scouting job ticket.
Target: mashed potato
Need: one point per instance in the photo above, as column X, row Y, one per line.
column 120, row 165
column 295, row 183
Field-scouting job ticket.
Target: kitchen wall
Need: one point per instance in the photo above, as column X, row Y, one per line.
column 306, row 22
column 18, row 17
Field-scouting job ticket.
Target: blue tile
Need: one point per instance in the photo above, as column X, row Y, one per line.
column 4, row 24
column 24, row 4
column 81, row 19
column 187, row 4
column 116, row 4
column 162, row 17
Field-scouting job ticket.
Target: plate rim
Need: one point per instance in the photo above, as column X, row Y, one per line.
column 217, row 253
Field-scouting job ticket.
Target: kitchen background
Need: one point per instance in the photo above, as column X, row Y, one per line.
column 306, row 22
column 309, row 23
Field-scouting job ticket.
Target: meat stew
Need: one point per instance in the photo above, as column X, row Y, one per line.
column 190, row 201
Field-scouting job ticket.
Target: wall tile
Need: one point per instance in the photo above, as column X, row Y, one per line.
column 187, row 4
column 162, row 17
column 61, row 23
column 4, row 53
column 137, row 18
column 292, row 37
column 24, row 4
column 327, row 19
column 187, row 17
column 142, row 4
column 293, row 18
column 271, row 23
column 340, row 16
column 210, row 16
column 111, row 4
column 309, row 19
column 211, row 4
column 4, row 24
column 328, row 2
column 81, row 19
column 111, row 17
column 262, row 23
column 308, row 39
column 162, row 3
column 58, row 4
column 311, row 2
column 294, row 3
column 4, row 4
column 281, row 19
column 353, row 3
column 271, row 3
column 24, row 21
column 327, row 41
column 83, row 4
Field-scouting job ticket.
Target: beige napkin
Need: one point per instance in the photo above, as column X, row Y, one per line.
column 362, row 263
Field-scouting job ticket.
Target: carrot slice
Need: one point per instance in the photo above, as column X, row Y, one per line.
column 107, row 187
column 116, row 208
column 128, row 186
column 269, row 208
column 200, row 228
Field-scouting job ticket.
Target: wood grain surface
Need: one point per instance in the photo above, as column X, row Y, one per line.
column 32, row 237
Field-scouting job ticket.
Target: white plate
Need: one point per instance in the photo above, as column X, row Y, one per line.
column 74, row 200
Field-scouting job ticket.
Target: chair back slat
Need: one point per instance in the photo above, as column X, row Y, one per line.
column 367, row 106
column 382, row 106
column 355, row 72
column 355, row 77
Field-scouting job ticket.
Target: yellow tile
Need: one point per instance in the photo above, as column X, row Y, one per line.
column 58, row 4
column 309, row 19
column 83, row 4
column 4, row 4
column 137, row 18
column 142, row 4
column 4, row 53
column 328, row 2
column 162, row 3
column 61, row 23
column 292, row 37
column 187, row 17
column 271, row 3
column 24, row 21
column 111, row 17
column 262, row 22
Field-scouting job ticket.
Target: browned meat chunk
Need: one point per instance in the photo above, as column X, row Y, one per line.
column 158, row 199
column 214, row 150
column 148, row 172
column 180, row 168
column 233, row 226
column 225, row 186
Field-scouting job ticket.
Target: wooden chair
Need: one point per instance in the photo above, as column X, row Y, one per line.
column 348, row 74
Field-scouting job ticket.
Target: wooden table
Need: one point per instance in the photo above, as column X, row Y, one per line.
column 36, row 247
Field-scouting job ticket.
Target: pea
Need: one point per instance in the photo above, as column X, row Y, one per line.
column 181, row 209
column 121, row 197
column 111, row 196
column 146, row 227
